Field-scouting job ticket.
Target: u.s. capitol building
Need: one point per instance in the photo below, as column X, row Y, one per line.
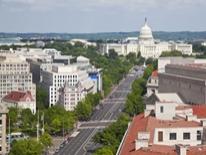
column 146, row 45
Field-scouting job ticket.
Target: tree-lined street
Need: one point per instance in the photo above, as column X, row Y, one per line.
column 107, row 112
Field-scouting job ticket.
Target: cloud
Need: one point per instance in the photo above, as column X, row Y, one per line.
column 94, row 4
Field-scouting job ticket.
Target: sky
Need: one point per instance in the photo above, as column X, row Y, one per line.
column 89, row 16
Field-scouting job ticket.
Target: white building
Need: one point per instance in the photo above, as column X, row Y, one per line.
column 70, row 95
column 203, row 43
column 86, row 43
column 95, row 74
column 56, row 78
column 39, row 54
column 15, row 75
column 146, row 45
column 169, row 128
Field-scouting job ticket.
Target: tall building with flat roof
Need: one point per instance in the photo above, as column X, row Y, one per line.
column 54, row 80
column 188, row 80
column 15, row 75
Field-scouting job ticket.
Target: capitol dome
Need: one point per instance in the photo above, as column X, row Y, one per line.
column 146, row 34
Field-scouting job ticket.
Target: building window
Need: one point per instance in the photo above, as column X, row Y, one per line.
column 199, row 135
column 161, row 109
column 173, row 136
column 160, row 136
column 186, row 135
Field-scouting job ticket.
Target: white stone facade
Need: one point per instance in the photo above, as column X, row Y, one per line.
column 70, row 96
column 146, row 45
column 56, row 78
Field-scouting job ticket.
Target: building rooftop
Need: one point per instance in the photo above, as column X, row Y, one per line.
column 17, row 96
column 140, row 123
column 199, row 111
column 155, row 73
column 169, row 97
column 190, row 66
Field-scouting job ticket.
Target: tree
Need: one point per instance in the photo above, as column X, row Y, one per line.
column 13, row 115
column 132, row 58
column 104, row 151
column 28, row 121
column 46, row 140
column 112, row 136
column 171, row 53
column 148, row 71
column 26, row 147
column 149, row 61
column 41, row 98
column 113, row 54
column 83, row 110
column 57, row 118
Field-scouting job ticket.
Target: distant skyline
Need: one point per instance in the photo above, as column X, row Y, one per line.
column 90, row 16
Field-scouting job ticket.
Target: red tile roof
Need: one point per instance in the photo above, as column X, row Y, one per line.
column 17, row 96
column 141, row 123
column 199, row 110
column 155, row 73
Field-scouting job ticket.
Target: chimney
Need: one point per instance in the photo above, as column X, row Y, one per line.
column 191, row 118
column 181, row 149
column 203, row 123
column 142, row 140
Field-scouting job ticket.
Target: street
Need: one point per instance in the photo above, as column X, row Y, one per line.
column 106, row 113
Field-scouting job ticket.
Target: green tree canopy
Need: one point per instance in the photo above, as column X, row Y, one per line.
column 26, row 147
column 46, row 140
column 171, row 53
column 104, row 151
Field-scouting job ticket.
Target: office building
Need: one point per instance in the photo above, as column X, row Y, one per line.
column 188, row 80
column 15, row 75
column 55, row 79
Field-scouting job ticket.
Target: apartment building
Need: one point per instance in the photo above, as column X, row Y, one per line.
column 15, row 75
column 3, row 142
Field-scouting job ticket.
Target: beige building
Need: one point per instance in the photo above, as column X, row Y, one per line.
column 15, row 75
column 3, row 142
column 70, row 96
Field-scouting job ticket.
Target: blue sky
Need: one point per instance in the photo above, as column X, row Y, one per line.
column 85, row 16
